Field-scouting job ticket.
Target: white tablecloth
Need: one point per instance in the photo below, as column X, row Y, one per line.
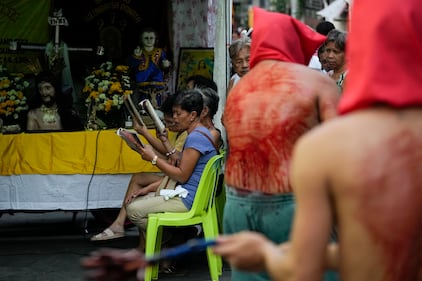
column 62, row 192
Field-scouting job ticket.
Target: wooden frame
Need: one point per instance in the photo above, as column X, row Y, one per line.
column 194, row 61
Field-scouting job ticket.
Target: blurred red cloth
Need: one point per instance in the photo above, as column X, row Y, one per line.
column 384, row 55
column 280, row 37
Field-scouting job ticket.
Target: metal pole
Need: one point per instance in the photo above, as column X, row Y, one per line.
column 294, row 6
column 222, row 33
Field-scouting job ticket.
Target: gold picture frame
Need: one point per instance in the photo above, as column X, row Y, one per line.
column 194, row 61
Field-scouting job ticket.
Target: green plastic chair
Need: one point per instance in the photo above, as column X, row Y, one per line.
column 203, row 212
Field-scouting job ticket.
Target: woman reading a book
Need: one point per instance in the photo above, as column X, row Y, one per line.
column 198, row 149
column 167, row 147
column 144, row 183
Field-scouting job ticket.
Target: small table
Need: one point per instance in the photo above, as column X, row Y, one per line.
column 66, row 170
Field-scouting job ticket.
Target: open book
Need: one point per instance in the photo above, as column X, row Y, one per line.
column 147, row 106
column 130, row 137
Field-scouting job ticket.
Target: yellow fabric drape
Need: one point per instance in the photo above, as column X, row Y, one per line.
column 69, row 153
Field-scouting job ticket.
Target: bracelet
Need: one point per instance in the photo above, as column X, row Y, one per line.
column 171, row 152
column 154, row 160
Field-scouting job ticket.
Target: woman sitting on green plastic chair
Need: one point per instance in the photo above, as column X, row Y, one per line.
column 198, row 149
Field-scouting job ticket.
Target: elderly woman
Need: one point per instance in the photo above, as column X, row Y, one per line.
column 239, row 52
column 335, row 46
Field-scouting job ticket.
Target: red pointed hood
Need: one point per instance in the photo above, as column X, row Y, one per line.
column 280, row 37
column 385, row 55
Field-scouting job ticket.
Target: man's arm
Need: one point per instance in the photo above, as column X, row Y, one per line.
column 306, row 259
column 328, row 98
column 244, row 250
column 114, row 264
column 251, row 251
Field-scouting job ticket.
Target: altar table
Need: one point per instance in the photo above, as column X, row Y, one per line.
column 66, row 170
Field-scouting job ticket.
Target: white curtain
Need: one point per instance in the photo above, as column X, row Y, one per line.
column 206, row 24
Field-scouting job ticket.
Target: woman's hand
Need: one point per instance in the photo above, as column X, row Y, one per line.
column 146, row 152
column 139, row 128
column 163, row 136
column 140, row 192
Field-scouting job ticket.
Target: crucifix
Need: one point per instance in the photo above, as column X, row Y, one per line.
column 57, row 20
column 57, row 58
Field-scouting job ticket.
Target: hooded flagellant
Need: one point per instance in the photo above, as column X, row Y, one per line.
column 268, row 110
column 385, row 56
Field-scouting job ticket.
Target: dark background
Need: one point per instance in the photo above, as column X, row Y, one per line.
column 116, row 25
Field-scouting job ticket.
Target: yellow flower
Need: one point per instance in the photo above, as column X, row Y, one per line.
column 107, row 105
column 5, row 83
column 115, row 87
column 122, row 68
column 97, row 72
column 94, row 95
column 106, row 86
column 127, row 92
column 12, row 98
column 19, row 95
column 87, row 89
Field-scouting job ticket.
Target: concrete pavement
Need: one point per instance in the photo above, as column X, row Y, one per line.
column 49, row 246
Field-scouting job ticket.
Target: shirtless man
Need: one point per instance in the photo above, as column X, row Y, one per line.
column 362, row 170
column 274, row 104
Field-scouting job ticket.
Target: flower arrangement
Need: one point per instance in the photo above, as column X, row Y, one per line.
column 12, row 98
column 106, row 87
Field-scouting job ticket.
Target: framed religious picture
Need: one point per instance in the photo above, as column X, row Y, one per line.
column 194, row 61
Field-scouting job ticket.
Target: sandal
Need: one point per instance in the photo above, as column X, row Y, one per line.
column 107, row 234
column 173, row 271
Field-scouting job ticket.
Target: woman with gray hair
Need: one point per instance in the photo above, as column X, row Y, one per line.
column 335, row 48
column 239, row 52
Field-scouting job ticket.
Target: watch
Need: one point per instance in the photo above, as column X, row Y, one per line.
column 154, row 160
